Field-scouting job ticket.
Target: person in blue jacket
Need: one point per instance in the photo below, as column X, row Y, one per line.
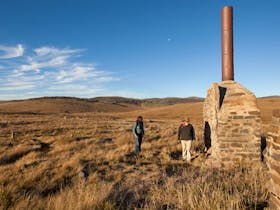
column 138, row 133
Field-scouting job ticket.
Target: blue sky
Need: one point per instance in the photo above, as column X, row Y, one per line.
column 133, row 48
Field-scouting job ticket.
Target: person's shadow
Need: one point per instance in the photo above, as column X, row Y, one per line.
column 207, row 135
column 263, row 146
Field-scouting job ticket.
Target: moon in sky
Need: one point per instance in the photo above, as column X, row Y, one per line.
column 169, row 40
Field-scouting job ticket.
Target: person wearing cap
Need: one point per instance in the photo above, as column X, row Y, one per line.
column 186, row 135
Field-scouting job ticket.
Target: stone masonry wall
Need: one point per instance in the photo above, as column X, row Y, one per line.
column 273, row 160
column 234, row 118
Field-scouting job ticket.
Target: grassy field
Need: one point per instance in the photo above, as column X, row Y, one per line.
column 86, row 161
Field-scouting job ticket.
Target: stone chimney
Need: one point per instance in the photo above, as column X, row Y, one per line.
column 230, row 110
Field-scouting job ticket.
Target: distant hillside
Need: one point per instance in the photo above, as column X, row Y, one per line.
column 113, row 104
column 267, row 97
column 148, row 101
column 76, row 105
column 64, row 105
column 172, row 101
column 267, row 105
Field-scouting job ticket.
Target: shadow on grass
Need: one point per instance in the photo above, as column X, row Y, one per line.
column 257, row 206
column 175, row 155
column 57, row 186
column 126, row 198
column 128, row 158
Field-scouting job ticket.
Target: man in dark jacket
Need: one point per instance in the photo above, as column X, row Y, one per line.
column 186, row 135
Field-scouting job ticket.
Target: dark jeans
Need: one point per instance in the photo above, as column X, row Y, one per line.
column 138, row 142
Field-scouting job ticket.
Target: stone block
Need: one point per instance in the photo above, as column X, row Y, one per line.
column 274, row 202
column 274, row 166
column 237, row 117
column 256, row 113
column 276, row 147
column 250, row 117
column 276, row 183
column 275, row 156
column 236, row 144
column 276, row 113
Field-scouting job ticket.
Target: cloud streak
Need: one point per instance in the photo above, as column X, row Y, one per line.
column 48, row 57
column 7, row 52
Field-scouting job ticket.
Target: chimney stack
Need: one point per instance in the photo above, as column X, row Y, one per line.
column 227, row 44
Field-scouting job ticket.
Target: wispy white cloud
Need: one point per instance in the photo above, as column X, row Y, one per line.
column 51, row 71
column 19, row 87
column 48, row 57
column 75, row 90
column 122, row 93
column 34, row 65
column 6, row 97
column 82, row 72
column 43, row 51
column 19, row 81
column 7, row 52
column 106, row 79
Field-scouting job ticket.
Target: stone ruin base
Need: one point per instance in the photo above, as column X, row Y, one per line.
column 232, row 120
column 272, row 157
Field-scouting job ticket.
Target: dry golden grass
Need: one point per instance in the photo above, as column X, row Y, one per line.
column 85, row 161
column 267, row 105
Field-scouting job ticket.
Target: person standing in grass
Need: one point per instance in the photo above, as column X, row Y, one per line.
column 186, row 135
column 138, row 132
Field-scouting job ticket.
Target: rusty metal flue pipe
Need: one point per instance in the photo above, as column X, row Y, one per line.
column 227, row 44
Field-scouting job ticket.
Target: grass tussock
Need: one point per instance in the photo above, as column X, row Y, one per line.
column 81, row 197
column 14, row 155
column 233, row 188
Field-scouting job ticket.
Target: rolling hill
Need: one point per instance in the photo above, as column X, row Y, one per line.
column 151, row 107
column 78, row 105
